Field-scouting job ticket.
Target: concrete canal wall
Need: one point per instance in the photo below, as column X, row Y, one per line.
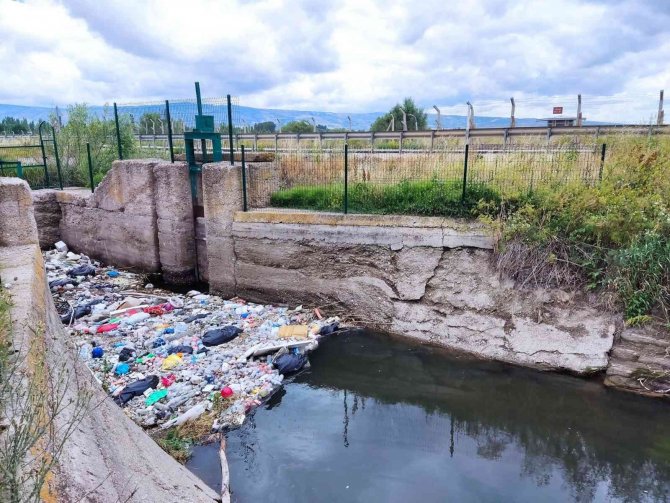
column 425, row 278
column 106, row 457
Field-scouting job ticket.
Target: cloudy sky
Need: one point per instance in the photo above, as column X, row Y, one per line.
column 349, row 55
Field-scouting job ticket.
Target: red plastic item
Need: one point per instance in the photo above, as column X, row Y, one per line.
column 227, row 392
column 168, row 380
column 154, row 310
column 107, row 327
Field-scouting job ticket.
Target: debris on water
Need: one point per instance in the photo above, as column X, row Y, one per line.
column 169, row 358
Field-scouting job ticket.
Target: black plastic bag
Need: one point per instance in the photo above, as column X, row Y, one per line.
column 136, row 389
column 218, row 336
column 76, row 313
column 62, row 282
column 183, row 348
column 329, row 329
column 195, row 317
column 289, row 363
column 126, row 354
column 82, row 270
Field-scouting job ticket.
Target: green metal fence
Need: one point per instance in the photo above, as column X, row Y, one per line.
column 449, row 182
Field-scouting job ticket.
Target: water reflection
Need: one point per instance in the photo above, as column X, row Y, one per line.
column 377, row 419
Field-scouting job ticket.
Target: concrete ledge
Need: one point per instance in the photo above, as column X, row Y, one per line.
column 379, row 230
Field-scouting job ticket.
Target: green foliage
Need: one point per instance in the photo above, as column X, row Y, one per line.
column 426, row 197
column 264, row 127
column 615, row 232
column 297, row 127
column 411, row 109
column 10, row 125
column 82, row 127
column 150, row 122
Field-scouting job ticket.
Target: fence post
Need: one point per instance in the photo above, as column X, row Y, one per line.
column 118, row 131
column 169, row 121
column 60, row 176
column 19, row 169
column 465, row 171
column 90, row 165
column 346, row 178
column 602, row 161
column 244, row 181
column 44, row 156
column 230, row 130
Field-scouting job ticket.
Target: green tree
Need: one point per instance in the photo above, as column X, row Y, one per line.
column 297, row 127
column 83, row 127
column 417, row 119
column 264, row 127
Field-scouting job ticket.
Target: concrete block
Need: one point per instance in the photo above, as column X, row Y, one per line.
column 17, row 218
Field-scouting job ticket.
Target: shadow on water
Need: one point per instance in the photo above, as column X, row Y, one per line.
column 378, row 419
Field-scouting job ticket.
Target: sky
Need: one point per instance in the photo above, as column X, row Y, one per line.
column 343, row 56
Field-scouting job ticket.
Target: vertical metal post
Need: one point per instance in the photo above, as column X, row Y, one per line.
column 60, row 176
column 512, row 119
column 661, row 112
column 465, row 171
column 90, row 165
column 602, row 161
column 169, row 124
column 230, row 130
column 244, row 181
column 346, row 178
column 118, row 131
column 44, row 156
column 579, row 110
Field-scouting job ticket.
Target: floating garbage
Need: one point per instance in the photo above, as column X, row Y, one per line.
column 169, row 358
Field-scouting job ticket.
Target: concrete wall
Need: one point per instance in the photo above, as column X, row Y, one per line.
column 140, row 217
column 108, row 458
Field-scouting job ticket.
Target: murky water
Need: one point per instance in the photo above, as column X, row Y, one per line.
column 377, row 419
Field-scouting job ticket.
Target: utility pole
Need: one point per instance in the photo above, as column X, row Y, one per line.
column 278, row 123
column 579, row 110
column 438, row 121
column 349, row 117
column 661, row 112
column 512, row 121
column 313, row 124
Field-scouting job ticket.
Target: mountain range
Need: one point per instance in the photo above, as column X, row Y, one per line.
column 242, row 115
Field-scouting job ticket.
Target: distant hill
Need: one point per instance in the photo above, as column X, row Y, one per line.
column 185, row 110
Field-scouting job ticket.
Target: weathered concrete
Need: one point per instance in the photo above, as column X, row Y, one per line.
column 222, row 197
column 640, row 361
column 446, row 295
column 16, row 207
column 140, row 217
column 107, row 457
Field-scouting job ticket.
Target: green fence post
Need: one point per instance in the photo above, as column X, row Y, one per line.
column 230, row 130
column 19, row 169
column 244, row 181
column 118, row 131
column 465, row 172
column 167, row 117
column 346, row 178
column 90, row 165
column 60, row 176
column 44, row 156
column 602, row 161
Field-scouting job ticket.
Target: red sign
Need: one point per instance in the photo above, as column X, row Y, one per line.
column 558, row 110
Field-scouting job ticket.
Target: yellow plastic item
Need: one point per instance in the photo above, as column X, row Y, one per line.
column 293, row 332
column 171, row 362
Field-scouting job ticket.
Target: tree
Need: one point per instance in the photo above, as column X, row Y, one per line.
column 416, row 118
column 264, row 127
column 297, row 127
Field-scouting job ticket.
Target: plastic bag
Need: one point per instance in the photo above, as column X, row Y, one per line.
column 126, row 354
column 183, row 348
column 329, row 329
column 82, row 270
column 220, row 335
column 289, row 363
column 136, row 388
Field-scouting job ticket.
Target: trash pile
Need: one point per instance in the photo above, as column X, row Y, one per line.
column 169, row 358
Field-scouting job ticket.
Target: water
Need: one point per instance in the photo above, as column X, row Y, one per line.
column 378, row 419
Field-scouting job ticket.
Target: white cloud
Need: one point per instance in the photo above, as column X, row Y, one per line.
column 351, row 55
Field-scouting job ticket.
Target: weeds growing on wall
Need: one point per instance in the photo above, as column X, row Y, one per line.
column 613, row 236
